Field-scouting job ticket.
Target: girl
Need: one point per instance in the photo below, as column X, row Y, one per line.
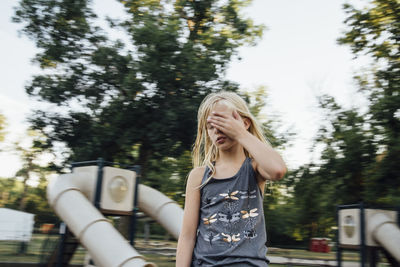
column 223, row 222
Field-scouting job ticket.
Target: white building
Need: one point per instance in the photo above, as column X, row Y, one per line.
column 15, row 225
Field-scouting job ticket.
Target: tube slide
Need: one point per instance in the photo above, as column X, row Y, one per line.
column 161, row 208
column 69, row 196
column 386, row 233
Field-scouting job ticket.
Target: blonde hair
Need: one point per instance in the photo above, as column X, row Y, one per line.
column 204, row 151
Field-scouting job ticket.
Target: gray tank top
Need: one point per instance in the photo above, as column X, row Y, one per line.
column 231, row 229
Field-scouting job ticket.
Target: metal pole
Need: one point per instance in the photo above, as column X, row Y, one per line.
column 373, row 256
column 362, row 234
column 63, row 229
column 97, row 196
column 338, row 248
column 398, row 216
column 136, row 169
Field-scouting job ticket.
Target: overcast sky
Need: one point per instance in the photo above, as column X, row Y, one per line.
column 297, row 59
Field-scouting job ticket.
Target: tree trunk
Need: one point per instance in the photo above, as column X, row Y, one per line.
column 22, row 202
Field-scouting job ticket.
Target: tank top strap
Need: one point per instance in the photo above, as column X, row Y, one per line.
column 248, row 161
column 248, row 165
column 206, row 174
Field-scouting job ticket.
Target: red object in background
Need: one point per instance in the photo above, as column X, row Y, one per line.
column 319, row 245
column 46, row 227
column 314, row 244
column 324, row 245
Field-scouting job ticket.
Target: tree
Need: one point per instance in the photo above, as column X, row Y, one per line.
column 374, row 31
column 35, row 200
column 360, row 158
column 8, row 193
column 341, row 176
column 130, row 102
column 31, row 166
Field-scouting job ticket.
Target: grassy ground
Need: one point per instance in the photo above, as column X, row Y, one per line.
column 304, row 254
column 9, row 252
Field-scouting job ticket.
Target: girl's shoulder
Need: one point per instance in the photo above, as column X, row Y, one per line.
column 196, row 175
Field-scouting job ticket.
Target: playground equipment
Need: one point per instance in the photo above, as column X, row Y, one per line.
column 368, row 230
column 80, row 197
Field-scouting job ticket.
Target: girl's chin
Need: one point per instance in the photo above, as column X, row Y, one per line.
column 226, row 145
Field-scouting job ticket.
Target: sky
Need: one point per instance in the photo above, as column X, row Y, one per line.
column 297, row 59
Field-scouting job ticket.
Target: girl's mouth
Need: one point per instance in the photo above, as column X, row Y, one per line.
column 221, row 139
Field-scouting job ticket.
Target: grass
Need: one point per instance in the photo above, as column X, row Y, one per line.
column 304, row 254
column 9, row 252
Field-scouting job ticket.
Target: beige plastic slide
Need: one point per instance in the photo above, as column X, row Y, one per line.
column 386, row 233
column 69, row 196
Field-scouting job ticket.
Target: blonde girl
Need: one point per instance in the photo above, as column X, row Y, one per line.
column 223, row 223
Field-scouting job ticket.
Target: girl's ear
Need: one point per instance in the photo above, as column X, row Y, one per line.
column 247, row 123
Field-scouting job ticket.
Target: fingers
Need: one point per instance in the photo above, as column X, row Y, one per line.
column 227, row 115
column 219, row 114
column 222, row 119
column 236, row 115
column 228, row 122
column 216, row 122
column 215, row 119
column 219, row 127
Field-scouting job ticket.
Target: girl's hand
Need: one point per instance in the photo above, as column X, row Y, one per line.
column 229, row 123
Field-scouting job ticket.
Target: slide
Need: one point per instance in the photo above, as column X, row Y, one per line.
column 386, row 233
column 70, row 195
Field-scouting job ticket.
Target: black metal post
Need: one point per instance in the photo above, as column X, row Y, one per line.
column 338, row 248
column 373, row 256
column 362, row 235
column 97, row 196
column 398, row 215
column 136, row 169
column 63, row 231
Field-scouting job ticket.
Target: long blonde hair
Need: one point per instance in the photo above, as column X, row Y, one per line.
column 204, row 151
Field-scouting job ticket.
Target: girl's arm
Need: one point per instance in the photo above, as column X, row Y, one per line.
column 187, row 236
column 269, row 163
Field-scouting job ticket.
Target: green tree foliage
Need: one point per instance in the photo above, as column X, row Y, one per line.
column 34, row 170
column 35, row 200
column 130, row 102
column 348, row 152
column 9, row 193
column 375, row 31
column 30, row 166
column 26, row 191
column 360, row 151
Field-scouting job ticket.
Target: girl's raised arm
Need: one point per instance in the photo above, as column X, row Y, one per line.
column 269, row 164
column 187, row 236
